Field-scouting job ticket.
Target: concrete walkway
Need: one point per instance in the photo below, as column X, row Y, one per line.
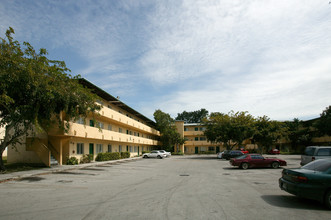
column 58, row 168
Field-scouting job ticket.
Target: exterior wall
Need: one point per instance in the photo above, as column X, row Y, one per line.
column 19, row 154
column 2, row 135
column 195, row 140
column 112, row 126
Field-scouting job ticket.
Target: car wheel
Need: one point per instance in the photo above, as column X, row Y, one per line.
column 145, row 156
column 159, row 157
column 244, row 166
column 275, row 165
column 327, row 199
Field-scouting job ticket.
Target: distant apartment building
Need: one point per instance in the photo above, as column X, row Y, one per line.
column 196, row 142
column 117, row 128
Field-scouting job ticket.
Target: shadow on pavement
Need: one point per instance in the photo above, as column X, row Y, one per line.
column 31, row 179
column 292, row 202
column 74, row 173
column 93, row 169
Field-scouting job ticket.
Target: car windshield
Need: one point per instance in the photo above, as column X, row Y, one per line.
column 242, row 156
column 318, row 165
column 309, row 151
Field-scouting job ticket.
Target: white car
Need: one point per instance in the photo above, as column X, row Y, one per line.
column 167, row 154
column 220, row 155
column 154, row 154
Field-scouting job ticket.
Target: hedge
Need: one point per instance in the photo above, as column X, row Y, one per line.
column 108, row 156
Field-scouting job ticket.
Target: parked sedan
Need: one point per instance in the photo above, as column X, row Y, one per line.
column 256, row 160
column 154, row 154
column 312, row 181
column 231, row 154
column 166, row 153
column 220, row 155
column 273, row 151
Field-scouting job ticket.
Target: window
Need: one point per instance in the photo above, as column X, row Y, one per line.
column 91, row 123
column 119, row 148
column 109, row 127
column 196, row 129
column 99, row 148
column 120, row 130
column 80, row 148
column 196, row 138
column 81, row 121
column 109, row 106
column 211, row 149
column 135, row 148
column 100, row 124
column 202, row 139
column 130, row 148
column 203, row 148
column 324, row 152
column 109, row 148
column 127, row 131
column 185, row 129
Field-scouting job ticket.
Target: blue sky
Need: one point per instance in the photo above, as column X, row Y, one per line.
column 270, row 57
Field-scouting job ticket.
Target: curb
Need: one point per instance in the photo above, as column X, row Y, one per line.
column 59, row 168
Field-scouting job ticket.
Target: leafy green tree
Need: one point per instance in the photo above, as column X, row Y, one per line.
column 169, row 135
column 297, row 133
column 323, row 124
column 192, row 117
column 36, row 93
column 267, row 132
column 230, row 129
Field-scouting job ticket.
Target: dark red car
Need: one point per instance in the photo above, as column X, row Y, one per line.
column 273, row 151
column 256, row 160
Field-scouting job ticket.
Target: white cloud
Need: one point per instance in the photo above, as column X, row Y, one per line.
column 267, row 57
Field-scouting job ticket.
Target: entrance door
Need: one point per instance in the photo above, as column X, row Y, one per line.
column 196, row 150
column 217, row 149
column 91, row 149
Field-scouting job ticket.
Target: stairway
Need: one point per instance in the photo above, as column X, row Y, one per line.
column 54, row 162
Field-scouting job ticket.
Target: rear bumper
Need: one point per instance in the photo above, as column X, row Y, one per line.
column 303, row 190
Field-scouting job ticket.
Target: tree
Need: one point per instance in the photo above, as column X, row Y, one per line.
column 36, row 93
column 266, row 132
column 323, row 124
column 169, row 135
column 192, row 117
column 297, row 133
column 230, row 129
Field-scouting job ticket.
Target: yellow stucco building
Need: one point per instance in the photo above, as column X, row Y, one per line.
column 117, row 128
column 195, row 141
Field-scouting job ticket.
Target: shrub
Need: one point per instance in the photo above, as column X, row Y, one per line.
column 125, row 155
column 177, row 153
column 72, row 161
column 206, row 152
column 87, row 158
column 108, row 156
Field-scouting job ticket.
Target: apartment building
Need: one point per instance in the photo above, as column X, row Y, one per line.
column 196, row 142
column 117, row 128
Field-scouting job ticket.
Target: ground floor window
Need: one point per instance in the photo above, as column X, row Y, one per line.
column 203, row 148
column 80, row 148
column 119, row 148
column 109, row 148
column 211, row 148
column 99, row 148
column 135, row 148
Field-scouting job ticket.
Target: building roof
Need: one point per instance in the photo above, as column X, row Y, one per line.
column 115, row 101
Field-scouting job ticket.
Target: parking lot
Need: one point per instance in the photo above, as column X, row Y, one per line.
column 188, row 187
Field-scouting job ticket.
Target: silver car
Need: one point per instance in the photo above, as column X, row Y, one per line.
column 167, row 154
column 315, row 152
column 154, row 154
